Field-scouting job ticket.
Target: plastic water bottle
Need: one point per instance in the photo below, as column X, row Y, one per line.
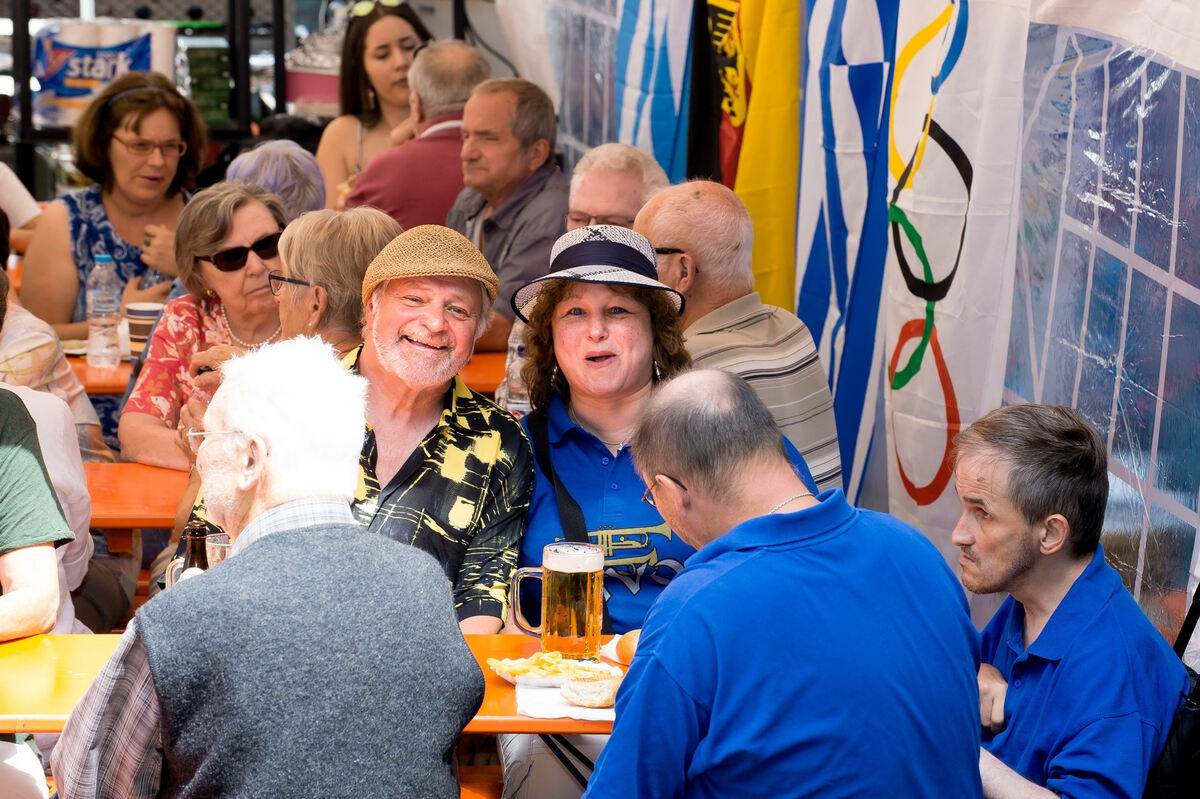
column 103, row 313
column 515, row 397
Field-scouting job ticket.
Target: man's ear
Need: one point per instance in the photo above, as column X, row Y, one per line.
column 687, row 273
column 538, row 154
column 415, row 107
column 253, row 464
column 1055, row 534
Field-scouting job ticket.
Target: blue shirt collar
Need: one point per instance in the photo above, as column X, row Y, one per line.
column 830, row 517
column 1086, row 597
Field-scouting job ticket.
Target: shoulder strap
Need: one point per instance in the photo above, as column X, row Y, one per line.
column 569, row 512
column 1189, row 625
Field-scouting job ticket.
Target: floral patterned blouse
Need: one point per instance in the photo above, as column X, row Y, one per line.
column 92, row 233
column 188, row 325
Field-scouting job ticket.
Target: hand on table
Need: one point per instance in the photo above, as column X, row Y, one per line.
column 158, row 249
column 992, row 690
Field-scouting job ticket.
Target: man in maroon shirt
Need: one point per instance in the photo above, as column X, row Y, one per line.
column 417, row 182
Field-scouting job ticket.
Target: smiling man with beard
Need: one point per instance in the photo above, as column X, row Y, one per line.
column 442, row 467
column 1077, row 689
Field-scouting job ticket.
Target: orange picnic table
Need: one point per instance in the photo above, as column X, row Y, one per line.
column 46, row 675
column 129, row 495
column 483, row 373
column 101, row 381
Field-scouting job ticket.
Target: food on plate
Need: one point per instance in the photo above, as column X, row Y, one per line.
column 597, row 690
column 626, row 646
column 545, row 664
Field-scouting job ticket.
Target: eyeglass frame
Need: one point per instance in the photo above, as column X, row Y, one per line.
column 648, row 496
column 196, row 437
column 177, row 148
column 597, row 219
column 246, row 250
column 275, row 275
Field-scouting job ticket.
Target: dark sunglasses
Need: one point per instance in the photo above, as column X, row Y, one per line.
column 234, row 258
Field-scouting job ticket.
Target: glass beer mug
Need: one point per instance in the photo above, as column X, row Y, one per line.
column 572, row 599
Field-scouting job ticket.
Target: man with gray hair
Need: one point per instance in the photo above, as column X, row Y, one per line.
column 244, row 679
column 516, row 196
column 417, row 182
column 704, row 238
column 718, row 702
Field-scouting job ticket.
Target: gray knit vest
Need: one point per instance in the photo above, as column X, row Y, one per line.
column 319, row 662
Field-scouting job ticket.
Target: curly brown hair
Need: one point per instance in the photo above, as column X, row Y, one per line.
column 541, row 373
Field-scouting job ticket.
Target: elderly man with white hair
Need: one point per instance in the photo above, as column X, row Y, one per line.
column 704, row 239
column 245, row 678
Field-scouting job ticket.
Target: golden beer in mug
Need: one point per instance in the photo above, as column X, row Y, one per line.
column 572, row 599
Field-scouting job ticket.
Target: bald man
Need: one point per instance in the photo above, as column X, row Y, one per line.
column 705, row 239
column 806, row 649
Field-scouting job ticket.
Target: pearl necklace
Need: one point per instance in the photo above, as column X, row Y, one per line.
column 787, row 501
column 609, row 444
column 246, row 345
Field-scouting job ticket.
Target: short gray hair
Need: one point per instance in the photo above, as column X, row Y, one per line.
column 533, row 115
column 704, row 428
column 285, row 168
column 332, row 249
column 296, row 396
column 206, row 221
column 445, row 73
column 711, row 223
column 617, row 157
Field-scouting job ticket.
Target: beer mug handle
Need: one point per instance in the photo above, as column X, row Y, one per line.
column 515, row 598
column 174, row 569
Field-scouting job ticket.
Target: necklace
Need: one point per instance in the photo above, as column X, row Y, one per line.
column 246, row 345
column 609, row 444
column 787, row 501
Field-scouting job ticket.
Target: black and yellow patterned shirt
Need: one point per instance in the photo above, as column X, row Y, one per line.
column 461, row 496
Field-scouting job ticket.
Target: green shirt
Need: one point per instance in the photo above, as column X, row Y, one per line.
column 29, row 511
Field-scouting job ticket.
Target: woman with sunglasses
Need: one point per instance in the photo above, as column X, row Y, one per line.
column 227, row 242
column 381, row 39
column 142, row 142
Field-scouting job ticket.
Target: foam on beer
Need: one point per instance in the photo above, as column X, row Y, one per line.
column 571, row 558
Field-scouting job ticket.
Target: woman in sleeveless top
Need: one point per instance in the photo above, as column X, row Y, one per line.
column 377, row 52
column 143, row 144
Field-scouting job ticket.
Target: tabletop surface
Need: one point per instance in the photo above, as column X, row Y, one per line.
column 42, row 678
column 128, row 495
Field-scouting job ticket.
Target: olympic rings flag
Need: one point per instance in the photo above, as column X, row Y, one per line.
column 953, row 149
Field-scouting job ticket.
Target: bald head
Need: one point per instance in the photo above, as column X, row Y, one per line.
column 710, row 225
column 709, row 430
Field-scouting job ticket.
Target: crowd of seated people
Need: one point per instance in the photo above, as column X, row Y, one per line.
column 306, row 373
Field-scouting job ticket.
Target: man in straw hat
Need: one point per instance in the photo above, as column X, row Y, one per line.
column 442, row 467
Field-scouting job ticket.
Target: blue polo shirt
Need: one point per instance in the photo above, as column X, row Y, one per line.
column 1090, row 702
column 641, row 553
column 826, row 652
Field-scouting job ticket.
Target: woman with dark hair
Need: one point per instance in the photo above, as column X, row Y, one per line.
column 228, row 242
column 381, row 39
column 143, row 143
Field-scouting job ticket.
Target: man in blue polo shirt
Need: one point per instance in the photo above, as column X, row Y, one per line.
column 806, row 649
column 1077, row 689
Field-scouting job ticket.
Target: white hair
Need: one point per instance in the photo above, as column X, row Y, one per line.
column 309, row 410
column 617, row 157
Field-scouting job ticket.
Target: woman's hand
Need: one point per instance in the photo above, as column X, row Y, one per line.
column 158, row 250
column 156, row 293
column 204, row 367
column 403, row 132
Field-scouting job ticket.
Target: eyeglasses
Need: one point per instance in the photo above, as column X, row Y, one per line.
column 144, row 147
column 364, row 7
column 234, row 258
column 669, row 251
column 276, row 279
column 581, row 219
column 195, row 437
column 648, row 497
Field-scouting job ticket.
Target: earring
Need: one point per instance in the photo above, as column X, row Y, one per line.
column 370, row 99
column 209, row 293
column 657, row 373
